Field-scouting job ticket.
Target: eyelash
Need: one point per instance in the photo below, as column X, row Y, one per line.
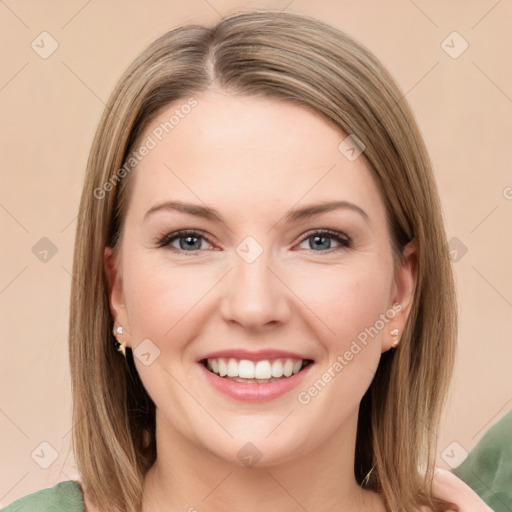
column 342, row 239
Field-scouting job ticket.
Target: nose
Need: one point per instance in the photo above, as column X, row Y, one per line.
column 255, row 295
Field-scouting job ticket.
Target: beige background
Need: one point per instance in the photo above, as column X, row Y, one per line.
column 49, row 111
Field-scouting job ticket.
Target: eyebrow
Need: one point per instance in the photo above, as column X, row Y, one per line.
column 294, row 215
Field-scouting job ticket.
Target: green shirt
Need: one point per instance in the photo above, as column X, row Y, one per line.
column 64, row 497
column 488, row 467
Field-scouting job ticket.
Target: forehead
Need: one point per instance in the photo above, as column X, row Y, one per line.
column 247, row 150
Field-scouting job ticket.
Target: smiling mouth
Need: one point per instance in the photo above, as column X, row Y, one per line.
column 260, row 372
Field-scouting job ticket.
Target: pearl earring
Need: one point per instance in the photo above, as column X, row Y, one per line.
column 121, row 346
column 396, row 339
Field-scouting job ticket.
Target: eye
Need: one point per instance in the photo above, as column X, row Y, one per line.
column 191, row 240
column 320, row 239
column 188, row 240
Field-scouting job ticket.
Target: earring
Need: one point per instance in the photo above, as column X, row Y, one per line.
column 396, row 339
column 121, row 346
column 367, row 477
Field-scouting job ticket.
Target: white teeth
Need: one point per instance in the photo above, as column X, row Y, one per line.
column 223, row 367
column 261, row 370
column 245, row 369
column 277, row 368
column 232, row 368
column 288, row 368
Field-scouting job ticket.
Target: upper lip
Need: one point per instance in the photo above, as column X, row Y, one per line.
column 260, row 355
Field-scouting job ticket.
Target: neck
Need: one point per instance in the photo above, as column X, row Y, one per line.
column 190, row 478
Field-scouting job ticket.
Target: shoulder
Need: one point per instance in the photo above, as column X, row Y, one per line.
column 449, row 487
column 62, row 497
column 488, row 467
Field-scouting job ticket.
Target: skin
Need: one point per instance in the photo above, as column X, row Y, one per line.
column 253, row 159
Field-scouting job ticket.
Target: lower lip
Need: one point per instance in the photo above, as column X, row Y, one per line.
column 252, row 391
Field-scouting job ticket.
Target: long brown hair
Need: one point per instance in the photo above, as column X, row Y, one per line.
column 298, row 59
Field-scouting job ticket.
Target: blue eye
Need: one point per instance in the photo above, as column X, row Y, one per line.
column 191, row 241
column 318, row 239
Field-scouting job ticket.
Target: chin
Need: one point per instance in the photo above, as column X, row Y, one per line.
column 258, row 452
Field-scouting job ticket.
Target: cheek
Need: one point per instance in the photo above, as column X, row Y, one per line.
column 161, row 297
column 346, row 301
column 350, row 305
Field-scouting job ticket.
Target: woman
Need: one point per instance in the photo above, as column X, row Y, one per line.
column 260, row 237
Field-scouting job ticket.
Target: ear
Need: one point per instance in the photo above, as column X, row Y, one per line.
column 113, row 273
column 402, row 297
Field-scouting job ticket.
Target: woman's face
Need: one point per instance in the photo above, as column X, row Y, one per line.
column 264, row 279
